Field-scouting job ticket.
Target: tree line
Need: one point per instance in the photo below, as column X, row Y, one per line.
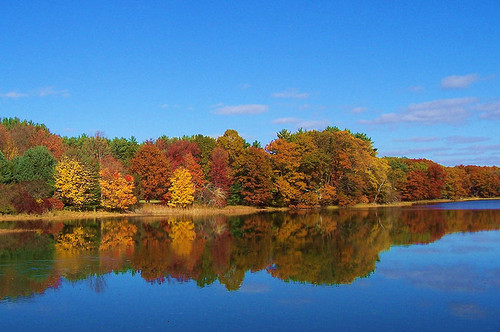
column 40, row 171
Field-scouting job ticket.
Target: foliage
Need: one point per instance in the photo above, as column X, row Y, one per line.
column 301, row 169
column 153, row 169
column 182, row 189
column 116, row 190
column 5, row 169
column 220, row 171
column 254, row 175
column 37, row 163
column 74, row 183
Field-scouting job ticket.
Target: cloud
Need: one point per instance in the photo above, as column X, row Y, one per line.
column 417, row 89
column 358, row 110
column 418, row 139
column 465, row 139
column 291, row 93
column 241, row 109
column 314, row 124
column 13, row 95
column 467, row 310
column 41, row 92
column 450, row 139
column 305, row 124
column 450, row 111
column 49, row 91
column 489, row 110
column 415, row 151
column 445, row 278
column 459, row 82
column 286, row 120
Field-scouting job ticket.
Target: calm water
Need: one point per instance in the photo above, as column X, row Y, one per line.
column 433, row 268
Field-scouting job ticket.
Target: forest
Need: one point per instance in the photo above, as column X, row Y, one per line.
column 41, row 171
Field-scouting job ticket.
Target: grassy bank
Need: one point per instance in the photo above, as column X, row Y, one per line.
column 151, row 209
column 146, row 209
column 422, row 202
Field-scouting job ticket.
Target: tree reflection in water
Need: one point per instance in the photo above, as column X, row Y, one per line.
column 324, row 248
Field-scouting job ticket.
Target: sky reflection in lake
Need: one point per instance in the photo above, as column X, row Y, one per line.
column 380, row 269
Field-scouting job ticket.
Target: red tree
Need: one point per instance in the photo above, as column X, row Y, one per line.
column 153, row 169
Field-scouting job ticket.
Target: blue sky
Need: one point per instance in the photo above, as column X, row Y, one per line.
column 421, row 78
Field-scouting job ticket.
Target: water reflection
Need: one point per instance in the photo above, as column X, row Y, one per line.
column 327, row 248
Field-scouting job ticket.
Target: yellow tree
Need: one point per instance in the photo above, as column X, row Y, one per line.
column 116, row 190
column 182, row 235
column 182, row 189
column 74, row 183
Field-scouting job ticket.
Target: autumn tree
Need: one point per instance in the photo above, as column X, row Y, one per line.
column 74, row 183
column 457, row 183
column 220, row 171
column 97, row 147
column 255, row 177
column 196, row 172
column 234, row 144
column 153, row 169
column 177, row 150
column 290, row 183
column 116, row 190
column 182, row 189
column 206, row 145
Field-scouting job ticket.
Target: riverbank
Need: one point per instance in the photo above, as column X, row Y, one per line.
column 145, row 210
column 412, row 203
column 157, row 210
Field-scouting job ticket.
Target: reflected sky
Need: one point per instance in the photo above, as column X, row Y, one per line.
column 421, row 271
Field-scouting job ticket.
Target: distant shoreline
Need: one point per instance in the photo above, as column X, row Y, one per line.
column 155, row 210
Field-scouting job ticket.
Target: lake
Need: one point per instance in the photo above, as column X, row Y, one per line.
column 416, row 268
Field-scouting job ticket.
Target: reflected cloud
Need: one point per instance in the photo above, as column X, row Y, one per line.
column 255, row 288
column 454, row 279
column 467, row 310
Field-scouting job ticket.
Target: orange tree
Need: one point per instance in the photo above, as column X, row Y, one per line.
column 116, row 190
column 153, row 169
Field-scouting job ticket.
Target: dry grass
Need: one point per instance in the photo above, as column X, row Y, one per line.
column 157, row 209
column 152, row 209
column 146, row 209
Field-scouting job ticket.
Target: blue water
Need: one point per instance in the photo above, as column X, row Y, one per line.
column 483, row 204
column 451, row 283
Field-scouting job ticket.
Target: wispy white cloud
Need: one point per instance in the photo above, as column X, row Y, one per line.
column 51, row 91
column 417, row 89
column 489, row 110
column 314, row 124
column 418, row 139
column 291, row 93
column 459, row 82
column 242, row 109
column 41, row 92
column 413, row 152
column 450, row 111
column 301, row 123
column 286, row 120
column 358, row 110
column 13, row 95
column 451, row 139
column 466, row 139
